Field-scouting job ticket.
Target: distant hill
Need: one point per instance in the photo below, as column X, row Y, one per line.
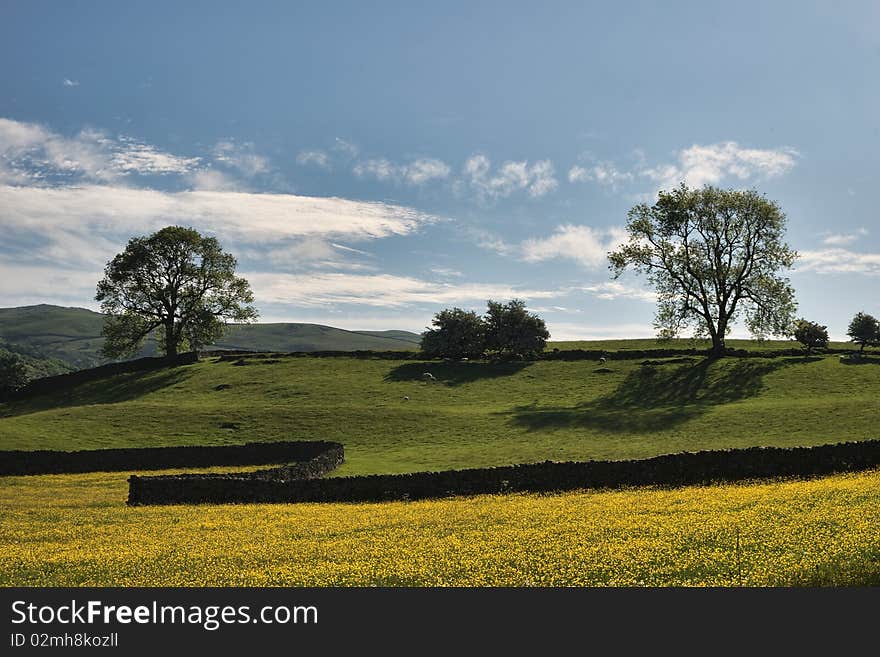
column 71, row 337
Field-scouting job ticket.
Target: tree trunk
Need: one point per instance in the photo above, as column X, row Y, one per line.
column 170, row 340
column 718, row 347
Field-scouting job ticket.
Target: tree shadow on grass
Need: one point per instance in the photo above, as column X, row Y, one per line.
column 111, row 390
column 863, row 360
column 456, row 373
column 657, row 397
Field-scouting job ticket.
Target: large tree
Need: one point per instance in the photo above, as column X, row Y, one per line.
column 176, row 283
column 712, row 255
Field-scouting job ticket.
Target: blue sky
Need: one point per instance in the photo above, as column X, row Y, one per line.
column 372, row 163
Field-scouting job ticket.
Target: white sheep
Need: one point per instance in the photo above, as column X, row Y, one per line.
column 427, row 376
column 602, row 360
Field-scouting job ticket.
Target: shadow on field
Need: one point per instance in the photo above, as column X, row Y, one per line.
column 657, row 397
column 864, row 360
column 456, row 373
column 119, row 388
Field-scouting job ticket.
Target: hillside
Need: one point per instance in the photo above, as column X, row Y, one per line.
column 73, row 336
column 478, row 414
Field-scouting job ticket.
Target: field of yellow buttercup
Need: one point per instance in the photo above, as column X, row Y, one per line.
column 76, row 530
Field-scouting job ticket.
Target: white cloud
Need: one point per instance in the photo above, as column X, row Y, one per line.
column 62, row 214
column 838, row 261
column 446, row 272
column 345, row 148
column 709, row 164
column 417, row 172
column 212, row 180
column 31, row 151
column 380, row 169
column 380, row 290
column 424, row 170
column 318, row 158
column 611, row 290
column 70, row 83
column 132, row 156
column 241, row 157
column 538, row 179
column 585, row 245
column 603, row 173
column 843, row 239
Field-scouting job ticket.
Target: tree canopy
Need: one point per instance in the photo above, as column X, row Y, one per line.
column 13, row 373
column 507, row 330
column 457, row 333
column 712, row 256
column 511, row 330
column 176, row 283
column 864, row 330
column 810, row 334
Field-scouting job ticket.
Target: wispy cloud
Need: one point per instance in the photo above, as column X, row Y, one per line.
column 60, row 214
column 697, row 165
column 240, row 156
column 381, row 290
column 585, row 245
column 603, row 173
column 838, row 261
column 345, row 148
column 29, row 151
column 317, row 158
column 417, row 172
column 612, row 290
column 537, row 179
column 844, row 239
column 70, row 83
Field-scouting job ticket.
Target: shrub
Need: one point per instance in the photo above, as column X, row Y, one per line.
column 810, row 334
column 457, row 333
column 512, row 331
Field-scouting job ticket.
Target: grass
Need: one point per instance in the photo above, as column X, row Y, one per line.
column 686, row 343
column 74, row 530
column 478, row 414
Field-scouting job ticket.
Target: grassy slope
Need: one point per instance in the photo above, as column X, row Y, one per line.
column 478, row 415
column 75, row 530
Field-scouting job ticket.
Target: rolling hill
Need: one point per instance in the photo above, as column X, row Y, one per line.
column 72, row 336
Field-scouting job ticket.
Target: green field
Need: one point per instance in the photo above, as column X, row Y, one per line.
column 477, row 414
column 76, row 529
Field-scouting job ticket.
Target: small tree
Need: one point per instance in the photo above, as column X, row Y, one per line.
column 174, row 282
column 457, row 333
column 13, row 374
column 513, row 331
column 810, row 334
column 864, row 330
